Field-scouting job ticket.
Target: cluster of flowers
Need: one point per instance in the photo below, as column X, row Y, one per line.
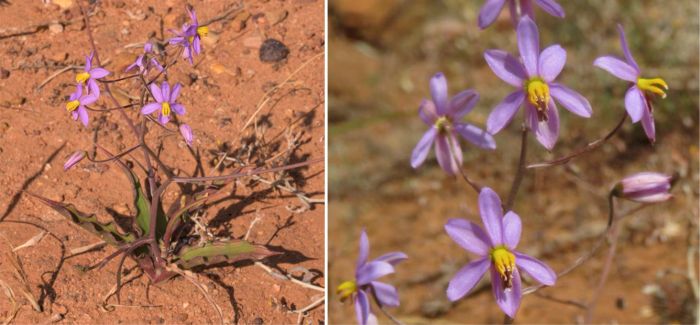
column 88, row 91
column 533, row 74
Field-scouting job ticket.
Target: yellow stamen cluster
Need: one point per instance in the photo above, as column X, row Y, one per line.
column 538, row 95
column 165, row 109
column 72, row 105
column 653, row 85
column 82, row 77
column 346, row 289
column 203, row 31
column 442, row 124
column 504, row 261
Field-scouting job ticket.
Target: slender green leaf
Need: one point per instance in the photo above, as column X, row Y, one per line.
column 221, row 252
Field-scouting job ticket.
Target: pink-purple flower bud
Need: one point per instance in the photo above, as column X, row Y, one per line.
column 645, row 187
column 186, row 132
column 74, row 159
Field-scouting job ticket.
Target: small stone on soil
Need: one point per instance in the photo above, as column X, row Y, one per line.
column 273, row 50
column 4, row 74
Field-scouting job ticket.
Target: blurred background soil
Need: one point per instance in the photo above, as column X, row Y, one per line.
column 220, row 93
column 381, row 56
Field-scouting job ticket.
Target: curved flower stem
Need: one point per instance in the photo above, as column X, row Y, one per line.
column 113, row 157
column 590, row 146
column 109, row 109
column 384, row 311
column 476, row 187
column 611, row 208
column 119, row 79
column 614, row 233
column 520, row 173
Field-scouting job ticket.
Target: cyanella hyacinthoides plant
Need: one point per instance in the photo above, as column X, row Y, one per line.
column 534, row 77
column 496, row 250
column 160, row 240
column 638, row 96
column 443, row 115
column 365, row 284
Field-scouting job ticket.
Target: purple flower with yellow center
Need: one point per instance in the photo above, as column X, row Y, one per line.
column 366, row 285
column 645, row 187
column 191, row 36
column 443, row 115
column 638, row 96
column 534, row 77
column 165, row 102
column 76, row 104
column 90, row 75
column 491, row 8
column 496, row 250
column 142, row 63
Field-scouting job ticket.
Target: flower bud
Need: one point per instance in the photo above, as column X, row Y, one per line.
column 74, row 159
column 645, row 187
column 186, row 132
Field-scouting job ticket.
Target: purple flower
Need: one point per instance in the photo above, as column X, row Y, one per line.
column 534, row 77
column 186, row 133
column 74, row 159
column 496, row 250
column 142, row 63
column 365, row 284
column 645, row 187
column 637, row 98
column 76, row 104
column 491, row 8
column 90, row 76
column 443, row 115
column 165, row 102
column 191, row 36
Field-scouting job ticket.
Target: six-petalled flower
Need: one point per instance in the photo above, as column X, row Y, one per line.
column 165, row 102
column 76, row 104
column 89, row 76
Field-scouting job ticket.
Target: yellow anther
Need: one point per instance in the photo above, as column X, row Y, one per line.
column 72, row 105
column 504, row 261
column 165, row 109
column 346, row 289
column 203, row 31
column 82, row 77
column 442, row 124
column 538, row 95
column 653, row 85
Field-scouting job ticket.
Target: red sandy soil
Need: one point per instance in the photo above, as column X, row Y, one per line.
column 36, row 135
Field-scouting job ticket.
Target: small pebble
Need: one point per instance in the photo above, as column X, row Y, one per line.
column 273, row 50
column 4, row 74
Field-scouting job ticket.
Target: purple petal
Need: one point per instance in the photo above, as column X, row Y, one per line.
column 364, row 250
column 392, row 258
column 475, row 135
column 469, row 236
column 196, row 45
column 536, row 269
column 361, row 307
column 449, row 158
column 648, row 124
column 506, row 67
column 155, row 91
column 165, row 91
column 372, row 271
column 163, row 119
column 526, row 9
column 420, row 152
column 175, row 92
column 77, row 93
column 513, row 13
column 571, row 100
column 503, row 113
column 551, row 7
column 635, row 104
column 74, row 159
column 617, row 68
column 551, row 62
column 546, row 132
column 507, row 299
column 150, row 108
column 512, row 227
column 178, row 109
column 157, row 65
column 529, row 44
column 626, row 49
column 133, row 65
column 386, row 294
column 88, row 61
column 438, row 90
column 491, row 214
column 98, row 73
column 462, row 104
column 186, row 133
column 93, row 87
column 427, row 112
column 489, row 12
column 176, row 40
column 83, row 115
column 466, row 278
column 88, row 99
column 193, row 16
